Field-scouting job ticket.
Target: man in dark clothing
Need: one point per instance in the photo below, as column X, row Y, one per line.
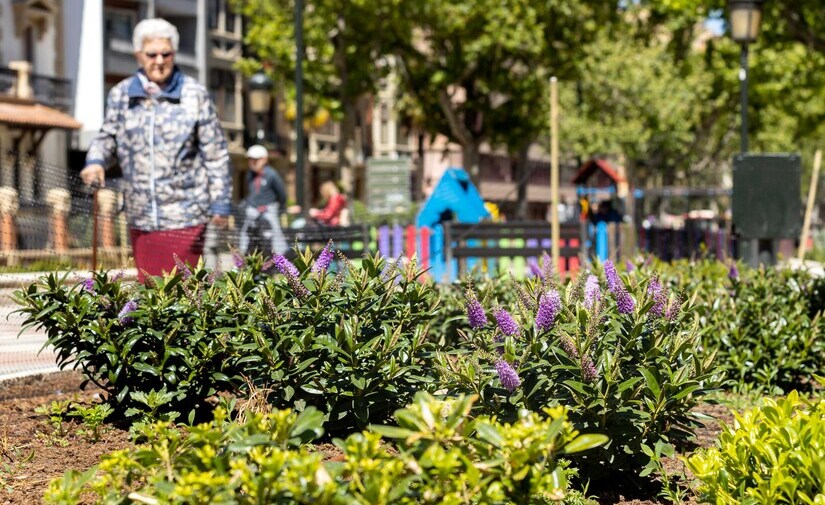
column 265, row 197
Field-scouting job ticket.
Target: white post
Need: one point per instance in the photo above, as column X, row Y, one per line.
column 89, row 92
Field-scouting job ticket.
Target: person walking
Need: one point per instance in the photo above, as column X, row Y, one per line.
column 265, row 197
column 162, row 129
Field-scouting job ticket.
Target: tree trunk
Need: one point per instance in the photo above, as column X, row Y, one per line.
column 522, row 178
column 472, row 159
column 347, row 148
column 346, row 134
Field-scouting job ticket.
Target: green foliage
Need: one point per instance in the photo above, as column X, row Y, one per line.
column 450, row 320
column 674, row 488
column 176, row 338
column 765, row 326
column 773, row 454
column 442, row 456
column 92, row 417
column 634, row 376
column 353, row 345
column 55, row 412
column 152, row 403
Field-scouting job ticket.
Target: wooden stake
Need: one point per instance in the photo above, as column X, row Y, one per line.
column 806, row 224
column 554, row 171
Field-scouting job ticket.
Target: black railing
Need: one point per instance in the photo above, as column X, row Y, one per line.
column 51, row 91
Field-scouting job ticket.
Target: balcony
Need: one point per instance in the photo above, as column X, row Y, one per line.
column 52, row 91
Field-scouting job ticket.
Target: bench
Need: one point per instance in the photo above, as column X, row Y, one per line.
column 494, row 240
column 352, row 241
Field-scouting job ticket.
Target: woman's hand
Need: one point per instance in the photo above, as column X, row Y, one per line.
column 93, row 174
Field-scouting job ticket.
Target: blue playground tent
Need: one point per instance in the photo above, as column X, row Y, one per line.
column 455, row 198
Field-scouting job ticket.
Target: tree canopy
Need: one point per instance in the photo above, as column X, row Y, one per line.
column 652, row 83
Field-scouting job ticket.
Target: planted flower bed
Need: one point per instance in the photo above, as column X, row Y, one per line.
column 623, row 358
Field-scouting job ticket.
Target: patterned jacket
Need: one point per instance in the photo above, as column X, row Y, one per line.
column 172, row 151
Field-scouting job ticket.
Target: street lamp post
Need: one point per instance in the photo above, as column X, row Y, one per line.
column 260, row 97
column 745, row 17
column 299, row 104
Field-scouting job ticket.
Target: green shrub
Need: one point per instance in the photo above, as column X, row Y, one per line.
column 173, row 335
column 765, row 324
column 631, row 369
column 352, row 343
column 773, row 454
column 441, row 456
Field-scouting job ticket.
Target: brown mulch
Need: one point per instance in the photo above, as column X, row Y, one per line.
column 31, row 456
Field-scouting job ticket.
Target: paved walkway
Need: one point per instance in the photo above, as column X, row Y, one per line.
column 21, row 356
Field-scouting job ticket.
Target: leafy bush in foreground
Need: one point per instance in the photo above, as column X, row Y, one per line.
column 627, row 362
column 443, row 456
column 773, row 454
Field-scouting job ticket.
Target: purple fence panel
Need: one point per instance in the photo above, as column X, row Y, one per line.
column 397, row 241
column 384, row 241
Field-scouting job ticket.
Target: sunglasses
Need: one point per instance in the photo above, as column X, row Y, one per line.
column 152, row 55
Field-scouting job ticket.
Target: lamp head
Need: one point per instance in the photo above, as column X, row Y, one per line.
column 745, row 18
column 260, row 92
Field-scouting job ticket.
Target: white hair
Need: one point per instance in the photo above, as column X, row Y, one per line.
column 156, row 28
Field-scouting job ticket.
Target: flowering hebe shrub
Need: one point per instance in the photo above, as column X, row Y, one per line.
column 440, row 456
column 352, row 343
column 765, row 324
column 129, row 339
column 772, row 454
column 626, row 360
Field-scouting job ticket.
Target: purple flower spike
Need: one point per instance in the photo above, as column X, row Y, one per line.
column 614, row 283
column 324, row 259
column 629, row 266
column 549, row 308
column 592, row 293
column 733, row 272
column 182, row 268
column 284, row 266
column 547, row 267
column 475, row 312
column 88, row 285
column 659, row 295
column 506, row 323
column 674, row 308
column 127, row 309
column 612, row 277
column 589, row 372
column 534, row 269
column 509, row 377
column 238, row 260
column 569, row 347
column 625, row 302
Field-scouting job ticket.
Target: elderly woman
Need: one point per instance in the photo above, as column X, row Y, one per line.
column 161, row 128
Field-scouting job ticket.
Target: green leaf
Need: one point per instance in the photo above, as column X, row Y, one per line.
column 585, row 442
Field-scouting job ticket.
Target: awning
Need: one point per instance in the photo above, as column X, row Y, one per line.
column 592, row 166
column 35, row 115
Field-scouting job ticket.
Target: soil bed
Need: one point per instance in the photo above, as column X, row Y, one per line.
column 31, row 456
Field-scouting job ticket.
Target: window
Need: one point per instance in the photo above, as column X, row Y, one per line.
column 213, row 13
column 119, row 24
column 222, row 88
